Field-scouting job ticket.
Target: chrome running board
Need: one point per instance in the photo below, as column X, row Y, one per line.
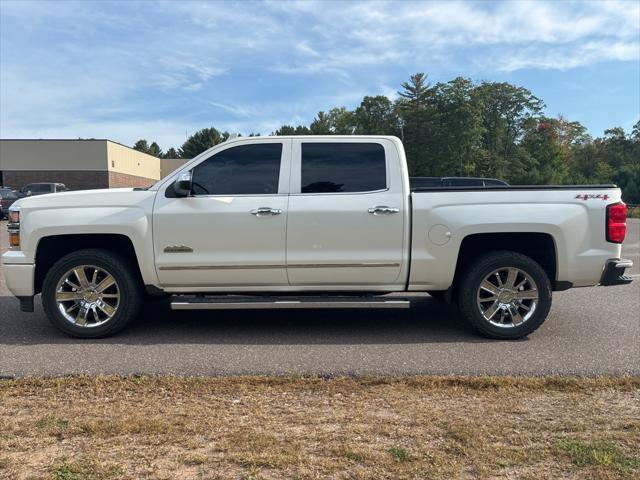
column 261, row 302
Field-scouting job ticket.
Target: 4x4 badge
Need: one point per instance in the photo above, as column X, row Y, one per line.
column 587, row 196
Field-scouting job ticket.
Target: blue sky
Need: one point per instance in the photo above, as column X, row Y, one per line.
column 161, row 70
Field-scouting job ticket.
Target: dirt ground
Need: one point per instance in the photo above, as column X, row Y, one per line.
column 307, row 428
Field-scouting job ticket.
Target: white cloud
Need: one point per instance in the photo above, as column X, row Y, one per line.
column 368, row 33
column 73, row 68
column 235, row 110
column 559, row 58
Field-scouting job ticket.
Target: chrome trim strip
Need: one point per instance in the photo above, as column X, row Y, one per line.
column 343, row 265
column 295, row 265
column 286, row 304
column 220, row 267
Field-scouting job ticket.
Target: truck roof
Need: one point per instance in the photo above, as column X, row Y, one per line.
column 307, row 137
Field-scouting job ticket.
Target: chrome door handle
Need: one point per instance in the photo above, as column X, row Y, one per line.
column 265, row 211
column 381, row 210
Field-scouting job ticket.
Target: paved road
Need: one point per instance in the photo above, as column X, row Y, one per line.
column 591, row 331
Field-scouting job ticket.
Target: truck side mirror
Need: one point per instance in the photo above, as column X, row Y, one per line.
column 182, row 187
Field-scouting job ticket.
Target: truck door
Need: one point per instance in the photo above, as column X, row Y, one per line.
column 231, row 231
column 347, row 215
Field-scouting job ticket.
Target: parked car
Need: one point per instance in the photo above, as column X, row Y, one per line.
column 311, row 222
column 455, row 182
column 7, row 197
column 42, row 188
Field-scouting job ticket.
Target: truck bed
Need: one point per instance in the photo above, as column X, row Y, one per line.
column 572, row 217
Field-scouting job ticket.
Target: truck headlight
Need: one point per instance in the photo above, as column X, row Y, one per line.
column 14, row 228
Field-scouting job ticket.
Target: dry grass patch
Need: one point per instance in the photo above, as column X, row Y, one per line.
column 312, row 428
column 84, row 469
column 604, row 454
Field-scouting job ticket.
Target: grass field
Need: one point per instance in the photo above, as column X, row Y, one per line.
column 306, row 428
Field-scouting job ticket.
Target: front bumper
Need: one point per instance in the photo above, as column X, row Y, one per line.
column 19, row 278
column 613, row 273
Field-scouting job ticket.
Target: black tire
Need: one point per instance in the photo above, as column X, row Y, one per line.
column 471, row 278
column 126, row 278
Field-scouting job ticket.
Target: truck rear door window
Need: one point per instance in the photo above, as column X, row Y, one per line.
column 343, row 167
column 243, row 170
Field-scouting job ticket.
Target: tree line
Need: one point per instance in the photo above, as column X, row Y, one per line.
column 463, row 128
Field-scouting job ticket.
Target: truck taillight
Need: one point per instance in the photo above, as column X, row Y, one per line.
column 616, row 222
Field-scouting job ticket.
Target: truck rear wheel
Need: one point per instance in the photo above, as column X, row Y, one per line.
column 91, row 293
column 504, row 295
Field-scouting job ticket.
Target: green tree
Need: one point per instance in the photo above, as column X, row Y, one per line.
column 342, row 121
column 570, row 133
column 507, row 112
column 285, row 130
column 622, row 154
column 376, row 116
column 321, row 125
column 141, row 146
column 291, row 130
column 171, row 153
column 201, row 141
column 631, row 191
column 456, row 129
column 415, row 117
column 154, row 149
column 588, row 165
column 338, row 121
column 635, row 133
column 543, row 144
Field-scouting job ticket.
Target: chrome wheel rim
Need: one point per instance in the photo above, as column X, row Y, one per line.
column 507, row 297
column 88, row 296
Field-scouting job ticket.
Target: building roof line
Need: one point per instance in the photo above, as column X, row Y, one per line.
column 57, row 140
column 71, row 140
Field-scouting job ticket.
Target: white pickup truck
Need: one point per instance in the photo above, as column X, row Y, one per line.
column 311, row 222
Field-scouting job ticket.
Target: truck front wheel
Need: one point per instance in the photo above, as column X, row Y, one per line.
column 504, row 295
column 91, row 293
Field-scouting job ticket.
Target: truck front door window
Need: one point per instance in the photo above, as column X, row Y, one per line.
column 242, row 170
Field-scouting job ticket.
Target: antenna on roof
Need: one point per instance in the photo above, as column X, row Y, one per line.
column 233, row 136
